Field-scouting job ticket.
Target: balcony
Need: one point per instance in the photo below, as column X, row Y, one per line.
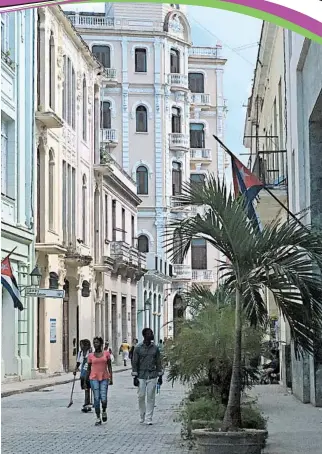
column 203, row 277
column 205, row 52
column 178, row 81
column 202, row 155
column 179, row 141
column 128, row 261
column 75, row 256
column 49, row 119
column 109, row 137
column 182, row 272
column 177, row 206
column 200, row 99
column 275, row 179
column 110, row 77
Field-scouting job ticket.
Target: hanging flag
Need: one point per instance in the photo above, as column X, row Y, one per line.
column 248, row 185
column 10, row 284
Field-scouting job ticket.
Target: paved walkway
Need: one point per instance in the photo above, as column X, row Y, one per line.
column 39, row 422
column 17, row 387
column 293, row 427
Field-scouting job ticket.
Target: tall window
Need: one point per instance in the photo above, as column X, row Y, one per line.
column 4, row 32
column 199, row 254
column 52, row 71
column 84, row 208
column 143, row 244
column 178, row 248
column 39, row 179
column 197, row 135
column 84, row 109
column 196, row 82
column 176, row 178
column 4, row 157
column 114, row 220
column 123, row 225
column 69, row 204
column 176, row 120
column 69, row 93
column 174, row 61
column 106, row 118
column 141, row 119
column 106, row 217
column 132, row 230
column 51, row 192
column 140, row 61
column 142, row 180
column 103, row 55
column 64, row 204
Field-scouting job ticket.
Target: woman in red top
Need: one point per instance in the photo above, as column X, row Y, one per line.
column 100, row 375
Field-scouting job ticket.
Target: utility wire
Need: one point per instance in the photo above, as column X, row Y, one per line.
column 225, row 43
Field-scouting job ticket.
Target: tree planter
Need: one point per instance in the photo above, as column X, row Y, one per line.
column 247, row 441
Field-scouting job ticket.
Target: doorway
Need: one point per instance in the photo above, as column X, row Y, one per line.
column 114, row 324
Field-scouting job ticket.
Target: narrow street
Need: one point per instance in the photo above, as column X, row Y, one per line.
column 39, row 422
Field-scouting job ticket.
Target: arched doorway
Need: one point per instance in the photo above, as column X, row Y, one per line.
column 178, row 313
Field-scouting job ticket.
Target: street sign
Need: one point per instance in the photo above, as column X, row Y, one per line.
column 50, row 293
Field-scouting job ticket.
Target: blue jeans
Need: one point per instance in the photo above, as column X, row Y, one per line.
column 99, row 389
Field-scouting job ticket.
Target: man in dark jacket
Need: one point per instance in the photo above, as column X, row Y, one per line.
column 147, row 372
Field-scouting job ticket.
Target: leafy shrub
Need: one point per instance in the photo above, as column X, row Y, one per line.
column 252, row 418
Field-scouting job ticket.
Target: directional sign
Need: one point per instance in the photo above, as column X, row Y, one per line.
column 50, row 293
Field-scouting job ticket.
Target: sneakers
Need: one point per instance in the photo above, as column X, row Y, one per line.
column 104, row 416
column 142, row 419
column 149, row 422
column 98, row 422
column 86, row 408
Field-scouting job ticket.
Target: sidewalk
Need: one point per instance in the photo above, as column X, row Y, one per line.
column 293, row 427
column 25, row 386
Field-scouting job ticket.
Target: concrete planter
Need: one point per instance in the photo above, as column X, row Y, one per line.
column 247, row 441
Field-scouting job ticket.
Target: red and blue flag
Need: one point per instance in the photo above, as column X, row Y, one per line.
column 10, row 284
column 247, row 185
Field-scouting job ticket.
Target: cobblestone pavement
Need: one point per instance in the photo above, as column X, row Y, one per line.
column 293, row 427
column 39, row 422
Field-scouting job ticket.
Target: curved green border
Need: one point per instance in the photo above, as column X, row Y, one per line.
column 238, row 9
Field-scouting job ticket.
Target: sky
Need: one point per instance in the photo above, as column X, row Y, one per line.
column 239, row 36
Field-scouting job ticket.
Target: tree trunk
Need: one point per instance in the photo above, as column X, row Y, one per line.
column 232, row 419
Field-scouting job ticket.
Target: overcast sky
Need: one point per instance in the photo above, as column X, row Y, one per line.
column 239, row 36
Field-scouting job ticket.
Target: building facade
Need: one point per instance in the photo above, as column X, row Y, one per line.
column 86, row 205
column 265, row 137
column 159, row 110
column 17, row 186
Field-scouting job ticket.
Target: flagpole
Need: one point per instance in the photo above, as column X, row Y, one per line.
column 10, row 253
column 266, row 188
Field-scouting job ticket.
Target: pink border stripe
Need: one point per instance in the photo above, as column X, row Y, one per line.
column 289, row 14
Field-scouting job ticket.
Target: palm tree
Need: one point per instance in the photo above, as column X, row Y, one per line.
column 285, row 258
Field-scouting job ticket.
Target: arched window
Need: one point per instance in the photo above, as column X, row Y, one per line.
column 142, row 180
column 141, row 119
column 196, row 82
column 176, row 178
column 106, row 119
column 176, row 120
column 103, row 55
column 51, row 197
column 143, row 244
column 197, row 135
column 84, row 207
column 52, row 71
column 84, row 109
column 174, row 61
column 69, row 93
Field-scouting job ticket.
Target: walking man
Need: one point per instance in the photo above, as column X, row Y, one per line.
column 81, row 362
column 147, row 372
column 125, row 349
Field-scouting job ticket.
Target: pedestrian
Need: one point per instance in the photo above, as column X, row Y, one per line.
column 135, row 342
column 125, row 349
column 108, row 349
column 82, row 362
column 100, row 373
column 147, row 373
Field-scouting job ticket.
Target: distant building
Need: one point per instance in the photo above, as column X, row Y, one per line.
column 161, row 104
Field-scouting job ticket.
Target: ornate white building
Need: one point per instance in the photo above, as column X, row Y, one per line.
column 163, row 102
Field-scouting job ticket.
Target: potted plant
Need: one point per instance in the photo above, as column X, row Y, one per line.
column 285, row 258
